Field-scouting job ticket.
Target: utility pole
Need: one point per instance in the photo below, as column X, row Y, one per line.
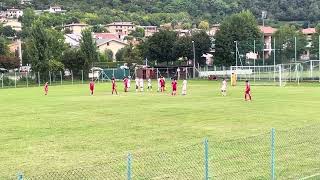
column 295, row 49
column 194, row 60
column 236, row 54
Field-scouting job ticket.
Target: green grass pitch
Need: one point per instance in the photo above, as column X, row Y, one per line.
column 69, row 129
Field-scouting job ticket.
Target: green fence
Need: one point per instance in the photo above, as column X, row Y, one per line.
column 293, row 154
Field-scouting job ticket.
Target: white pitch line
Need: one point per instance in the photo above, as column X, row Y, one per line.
column 308, row 177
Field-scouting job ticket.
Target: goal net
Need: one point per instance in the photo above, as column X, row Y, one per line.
column 277, row 75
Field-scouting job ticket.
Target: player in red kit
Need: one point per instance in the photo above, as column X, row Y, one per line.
column 162, row 84
column 247, row 91
column 174, row 87
column 46, row 88
column 91, row 85
column 114, row 86
column 125, row 83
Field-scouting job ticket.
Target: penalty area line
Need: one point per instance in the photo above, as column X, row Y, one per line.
column 311, row 176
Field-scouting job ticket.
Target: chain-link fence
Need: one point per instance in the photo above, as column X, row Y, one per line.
column 293, row 154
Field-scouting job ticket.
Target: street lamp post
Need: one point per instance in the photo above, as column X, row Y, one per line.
column 194, row 60
column 236, row 54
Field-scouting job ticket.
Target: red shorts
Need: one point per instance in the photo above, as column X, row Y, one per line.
column 174, row 89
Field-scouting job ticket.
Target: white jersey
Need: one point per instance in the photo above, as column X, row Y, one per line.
column 184, row 85
column 141, row 83
column 149, row 82
column 224, row 85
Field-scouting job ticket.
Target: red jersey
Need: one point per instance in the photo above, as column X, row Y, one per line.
column 248, row 88
column 162, row 82
column 174, row 85
column 91, row 85
column 125, row 81
column 46, row 87
column 113, row 84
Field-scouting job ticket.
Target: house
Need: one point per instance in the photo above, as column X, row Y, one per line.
column 122, row 29
column 73, row 40
column 112, row 44
column 149, row 30
column 26, row 2
column 267, row 31
column 213, row 30
column 183, row 32
column 308, row 33
column 16, row 25
column 13, row 13
column 76, row 28
column 106, row 36
column 56, row 9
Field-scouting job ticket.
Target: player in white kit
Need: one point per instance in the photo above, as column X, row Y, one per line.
column 149, row 85
column 137, row 84
column 141, row 85
column 224, row 87
column 184, row 87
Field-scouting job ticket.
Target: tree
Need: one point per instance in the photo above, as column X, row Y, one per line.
column 129, row 54
column 73, row 60
column 4, row 49
column 202, row 45
column 9, row 62
column 285, row 43
column 315, row 43
column 159, row 47
column 241, row 27
column 7, row 31
column 204, row 25
column 37, row 47
column 88, row 49
column 139, row 32
column 109, row 55
column 44, row 48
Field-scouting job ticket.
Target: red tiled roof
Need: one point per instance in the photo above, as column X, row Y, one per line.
column 106, row 36
column 267, row 29
column 309, row 31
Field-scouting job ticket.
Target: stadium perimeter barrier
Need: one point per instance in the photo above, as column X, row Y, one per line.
column 279, row 74
column 33, row 79
column 292, row 154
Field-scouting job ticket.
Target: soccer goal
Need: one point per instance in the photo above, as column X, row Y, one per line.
column 274, row 75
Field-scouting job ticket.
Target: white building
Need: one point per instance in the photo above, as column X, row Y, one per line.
column 56, row 9
column 13, row 13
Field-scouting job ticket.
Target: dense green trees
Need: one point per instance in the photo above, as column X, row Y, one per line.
column 285, row 43
column 241, row 28
column 4, row 49
column 88, row 49
column 159, row 47
column 44, row 48
column 146, row 12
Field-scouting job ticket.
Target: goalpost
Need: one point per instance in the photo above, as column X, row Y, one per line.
column 277, row 75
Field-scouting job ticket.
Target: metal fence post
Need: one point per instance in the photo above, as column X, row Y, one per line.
column 39, row 79
column 72, row 76
column 20, row 176
column 27, row 80
column 206, row 159
column 273, row 164
column 60, row 77
column 129, row 167
column 82, row 76
column 2, row 80
column 15, row 79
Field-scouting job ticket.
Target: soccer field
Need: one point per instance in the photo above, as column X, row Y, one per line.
column 69, row 129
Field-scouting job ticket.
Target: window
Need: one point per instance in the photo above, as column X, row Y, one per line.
column 108, row 43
